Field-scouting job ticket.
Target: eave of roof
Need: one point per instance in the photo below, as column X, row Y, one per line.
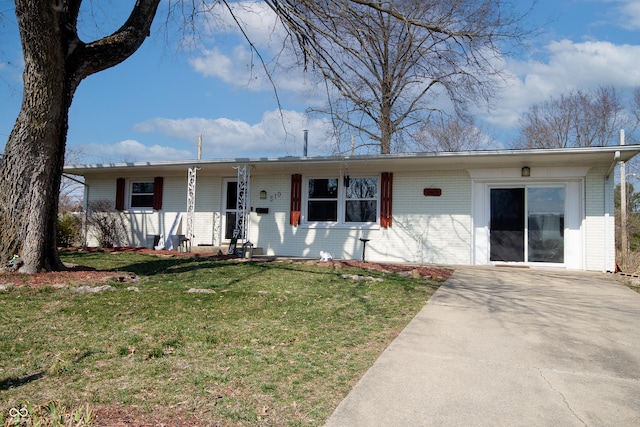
column 564, row 157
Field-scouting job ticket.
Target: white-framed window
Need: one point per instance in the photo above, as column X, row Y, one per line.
column 341, row 200
column 322, row 200
column 141, row 195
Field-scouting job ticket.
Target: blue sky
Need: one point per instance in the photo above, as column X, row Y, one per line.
column 154, row 105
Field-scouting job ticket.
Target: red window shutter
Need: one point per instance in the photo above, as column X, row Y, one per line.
column 120, row 194
column 296, row 199
column 386, row 199
column 157, row 193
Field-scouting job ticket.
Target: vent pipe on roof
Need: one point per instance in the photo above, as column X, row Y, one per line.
column 306, row 142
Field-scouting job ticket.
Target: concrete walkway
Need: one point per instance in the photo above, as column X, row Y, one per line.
column 509, row 347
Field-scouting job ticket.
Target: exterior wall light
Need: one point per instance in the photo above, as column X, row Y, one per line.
column 263, row 195
column 526, row 171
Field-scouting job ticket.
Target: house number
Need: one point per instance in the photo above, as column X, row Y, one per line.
column 275, row 196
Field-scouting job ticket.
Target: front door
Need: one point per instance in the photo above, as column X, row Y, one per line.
column 230, row 208
column 527, row 224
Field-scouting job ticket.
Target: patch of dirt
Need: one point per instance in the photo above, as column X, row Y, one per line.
column 60, row 279
column 416, row 271
column 409, row 270
column 119, row 416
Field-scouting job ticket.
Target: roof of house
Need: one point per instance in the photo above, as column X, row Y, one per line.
column 607, row 156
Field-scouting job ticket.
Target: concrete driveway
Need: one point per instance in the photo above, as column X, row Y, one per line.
column 499, row 346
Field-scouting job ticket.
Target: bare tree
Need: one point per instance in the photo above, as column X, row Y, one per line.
column 577, row 119
column 459, row 37
column 391, row 62
column 446, row 133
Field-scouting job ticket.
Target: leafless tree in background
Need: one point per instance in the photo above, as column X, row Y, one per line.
column 579, row 119
column 71, row 188
column 390, row 63
column 446, row 133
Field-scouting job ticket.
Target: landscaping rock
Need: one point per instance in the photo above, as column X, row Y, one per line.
column 94, row 289
column 362, row 278
column 201, row 291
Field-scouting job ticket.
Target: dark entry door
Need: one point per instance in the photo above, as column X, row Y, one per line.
column 506, row 230
column 230, row 209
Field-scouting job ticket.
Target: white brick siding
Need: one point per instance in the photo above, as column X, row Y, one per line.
column 599, row 222
column 424, row 229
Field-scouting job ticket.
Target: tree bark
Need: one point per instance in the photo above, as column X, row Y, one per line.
column 56, row 61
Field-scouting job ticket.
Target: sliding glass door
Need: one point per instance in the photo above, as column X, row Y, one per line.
column 527, row 224
column 507, row 224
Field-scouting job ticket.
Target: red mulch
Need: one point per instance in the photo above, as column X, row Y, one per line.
column 424, row 272
column 79, row 275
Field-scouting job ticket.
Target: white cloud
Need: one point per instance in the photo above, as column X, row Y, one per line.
column 258, row 21
column 628, row 14
column 570, row 65
column 242, row 68
column 130, row 151
column 279, row 133
column 232, row 59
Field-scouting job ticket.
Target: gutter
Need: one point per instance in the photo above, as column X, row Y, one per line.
column 616, row 159
column 607, row 196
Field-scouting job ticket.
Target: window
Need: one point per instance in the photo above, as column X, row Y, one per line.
column 142, row 194
column 322, row 201
column 342, row 201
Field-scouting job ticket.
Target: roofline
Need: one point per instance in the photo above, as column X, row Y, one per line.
column 617, row 152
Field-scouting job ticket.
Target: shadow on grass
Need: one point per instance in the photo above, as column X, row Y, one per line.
column 150, row 265
column 13, row 382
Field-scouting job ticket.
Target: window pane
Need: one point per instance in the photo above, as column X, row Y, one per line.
column 323, row 188
column 361, row 211
column 362, row 188
column 230, row 225
column 546, row 224
column 325, row 210
column 232, row 195
column 142, row 201
column 142, row 187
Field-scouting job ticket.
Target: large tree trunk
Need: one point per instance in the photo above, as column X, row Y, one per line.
column 34, row 155
column 56, row 61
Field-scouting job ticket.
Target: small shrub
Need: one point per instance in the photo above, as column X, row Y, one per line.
column 69, row 230
column 107, row 224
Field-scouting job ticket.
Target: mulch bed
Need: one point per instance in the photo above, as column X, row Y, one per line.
column 78, row 275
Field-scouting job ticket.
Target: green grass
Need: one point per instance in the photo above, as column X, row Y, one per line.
column 276, row 344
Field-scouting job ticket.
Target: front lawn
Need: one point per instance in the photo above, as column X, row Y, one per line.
column 252, row 343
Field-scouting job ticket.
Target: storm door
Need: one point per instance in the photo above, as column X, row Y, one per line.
column 527, row 224
column 229, row 208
